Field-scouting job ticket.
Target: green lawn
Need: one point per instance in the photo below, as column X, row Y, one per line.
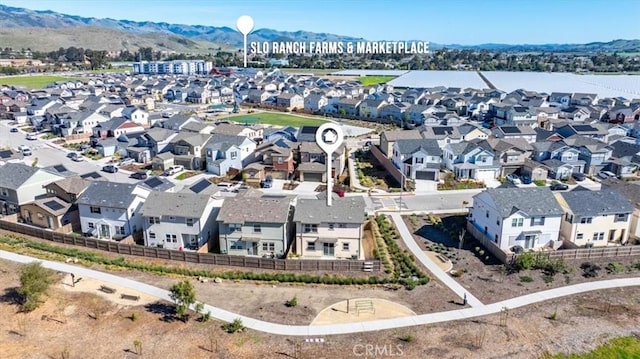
column 114, row 69
column 618, row 348
column 277, row 119
column 374, row 80
column 32, row 82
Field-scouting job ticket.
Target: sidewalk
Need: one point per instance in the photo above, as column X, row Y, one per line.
column 434, row 268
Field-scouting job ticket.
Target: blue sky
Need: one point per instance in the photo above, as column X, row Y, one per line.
column 439, row 21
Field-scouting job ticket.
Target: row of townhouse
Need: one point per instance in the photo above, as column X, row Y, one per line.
column 193, row 218
column 536, row 218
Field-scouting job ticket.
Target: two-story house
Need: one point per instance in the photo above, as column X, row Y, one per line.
column 528, row 218
column 254, row 225
column 510, row 154
column 329, row 232
column 315, row 102
column 20, row 184
column 277, row 158
column 595, row 218
column 593, row 152
column 109, row 210
column 312, row 162
column 290, row 101
column 371, row 108
column 506, row 132
column 470, row 161
column 388, row 138
column 418, row 159
column 224, row 152
column 182, row 221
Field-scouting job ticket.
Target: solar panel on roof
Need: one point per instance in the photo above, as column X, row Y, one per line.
column 309, row 129
column 511, row 129
column 60, row 168
column 93, row 175
column 200, row 186
column 442, row 130
column 6, row 154
column 55, row 206
column 153, row 182
column 584, row 128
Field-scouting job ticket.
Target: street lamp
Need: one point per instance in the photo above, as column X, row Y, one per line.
column 402, row 179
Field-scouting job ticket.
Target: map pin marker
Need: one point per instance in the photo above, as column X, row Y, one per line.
column 329, row 137
column 244, row 24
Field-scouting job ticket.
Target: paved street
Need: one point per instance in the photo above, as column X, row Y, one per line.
column 334, row 329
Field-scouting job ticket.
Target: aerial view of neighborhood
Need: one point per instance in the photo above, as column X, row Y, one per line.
column 335, row 179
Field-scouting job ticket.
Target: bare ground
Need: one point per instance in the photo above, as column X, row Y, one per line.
column 582, row 322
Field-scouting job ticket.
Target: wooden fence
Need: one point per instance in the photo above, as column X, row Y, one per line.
column 386, row 163
column 195, row 257
column 488, row 243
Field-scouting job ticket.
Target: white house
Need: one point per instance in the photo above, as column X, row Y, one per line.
column 179, row 220
column 20, row 184
column 418, row 159
column 223, row 152
column 526, row 217
column 108, row 210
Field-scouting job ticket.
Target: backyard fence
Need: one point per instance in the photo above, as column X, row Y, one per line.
column 386, row 163
column 194, row 257
column 488, row 243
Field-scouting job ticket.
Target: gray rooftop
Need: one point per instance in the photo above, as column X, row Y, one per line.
column 13, row 175
column 187, row 205
column 108, row 194
column 247, row 208
column 532, row 201
column 597, row 203
column 342, row 210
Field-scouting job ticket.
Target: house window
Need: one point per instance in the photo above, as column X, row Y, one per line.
column 310, row 228
column 621, row 217
column 331, row 226
column 537, row 221
column 568, row 217
column 152, row 235
column 585, row 220
column 311, row 246
column 487, row 214
column 234, row 227
column 517, row 222
column 579, row 236
column 4, row 192
column 268, row 247
column 419, row 160
column 257, row 228
column 280, row 160
column 496, row 238
column 190, row 222
column 497, row 222
column 233, row 155
column 172, row 218
column 91, row 225
column 237, row 245
column 345, row 246
column 95, row 209
column 598, row 236
column 120, row 231
column 171, row 238
column 342, row 225
column 154, row 220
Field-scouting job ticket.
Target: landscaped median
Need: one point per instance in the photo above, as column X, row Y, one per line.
column 60, row 253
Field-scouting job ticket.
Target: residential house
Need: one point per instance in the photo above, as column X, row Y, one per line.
column 395, row 112
column 622, row 114
column 535, row 170
column 290, row 101
column 68, row 189
column 348, row 106
column 625, row 158
column 525, row 132
column 528, row 218
column 273, row 134
column 258, row 96
column 595, row 218
column 418, row 159
column 157, row 139
column 116, row 127
column 50, row 213
column 180, row 221
column 584, row 99
column 593, row 152
column 226, row 152
column 109, row 210
column 137, row 115
column 388, row 138
column 177, row 122
column 334, row 232
column 153, row 184
column 560, row 99
column 510, row 154
column 371, row 108
column 254, row 132
column 276, row 158
column 188, row 150
column 631, row 192
column 470, row 161
column 560, row 159
column 251, row 224
column 416, row 114
column 315, row 102
column 312, row 165
column 202, row 186
column 21, row 184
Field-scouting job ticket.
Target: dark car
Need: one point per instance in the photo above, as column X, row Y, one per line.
column 72, row 155
column 110, row 168
column 267, row 183
column 579, row 176
column 139, row 175
column 14, row 130
column 559, row 187
column 525, row 179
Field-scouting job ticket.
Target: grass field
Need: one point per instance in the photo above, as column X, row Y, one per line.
column 32, row 82
column 374, row 80
column 618, row 348
column 277, row 119
column 115, row 69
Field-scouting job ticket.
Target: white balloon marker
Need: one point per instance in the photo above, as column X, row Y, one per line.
column 244, row 24
column 329, row 137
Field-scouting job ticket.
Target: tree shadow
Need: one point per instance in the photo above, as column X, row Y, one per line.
column 167, row 312
column 11, row 296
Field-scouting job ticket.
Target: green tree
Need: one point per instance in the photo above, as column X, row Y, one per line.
column 184, row 295
column 34, row 282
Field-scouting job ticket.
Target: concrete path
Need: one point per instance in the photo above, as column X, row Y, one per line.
column 333, row 329
column 433, row 267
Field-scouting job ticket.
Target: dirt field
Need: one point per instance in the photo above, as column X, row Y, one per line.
column 582, row 322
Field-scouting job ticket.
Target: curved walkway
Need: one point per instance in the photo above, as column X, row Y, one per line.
column 307, row 330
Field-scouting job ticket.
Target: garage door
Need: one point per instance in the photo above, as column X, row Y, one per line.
column 313, row 177
column 426, row 175
column 485, row 175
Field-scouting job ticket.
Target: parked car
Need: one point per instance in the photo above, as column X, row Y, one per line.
column 513, row 179
column 225, row 186
column 174, row 169
column 72, row 155
column 139, row 175
column 110, row 168
column 579, row 176
column 25, row 150
column 126, row 161
column 267, row 183
column 14, row 129
column 526, row 179
column 78, row 158
column 606, row 174
column 83, row 147
column 31, row 137
column 559, row 187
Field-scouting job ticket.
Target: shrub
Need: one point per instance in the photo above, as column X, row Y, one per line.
column 589, row 270
column 233, row 327
column 614, row 267
column 407, row 338
column 34, row 282
column 133, row 317
column 548, row 278
column 526, row 279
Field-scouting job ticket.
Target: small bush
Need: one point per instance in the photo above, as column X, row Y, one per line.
column 548, row 278
column 233, row 327
column 292, row 302
column 133, row 317
column 407, row 338
column 589, row 270
column 526, row 279
column 614, row 267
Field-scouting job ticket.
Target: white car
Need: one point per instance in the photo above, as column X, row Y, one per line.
column 174, row 169
column 514, row 179
column 31, row 137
